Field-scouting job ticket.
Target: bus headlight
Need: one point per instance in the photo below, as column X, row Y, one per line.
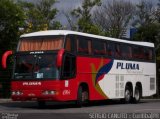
column 49, row 92
column 17, row 93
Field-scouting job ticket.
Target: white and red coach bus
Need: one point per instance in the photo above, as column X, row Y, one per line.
column 60, row 65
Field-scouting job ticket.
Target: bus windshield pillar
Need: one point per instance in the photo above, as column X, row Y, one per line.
column 60, row 57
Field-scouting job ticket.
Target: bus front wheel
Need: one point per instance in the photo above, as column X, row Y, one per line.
column 82, row 97
column 128, row 95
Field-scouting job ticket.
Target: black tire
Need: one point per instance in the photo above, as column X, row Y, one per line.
column 82, row 97
column 41, row 104
column 137, row 95
column 127, row 95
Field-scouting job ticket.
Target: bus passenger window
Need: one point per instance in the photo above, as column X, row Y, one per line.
column 141, row 53
column 135, row 52
column 148, row 54
column 83, row 46
column 109, row 49
column 98, row 47
column 129, row 52
column 126, row 51
column 68, row 44
column 117, row 51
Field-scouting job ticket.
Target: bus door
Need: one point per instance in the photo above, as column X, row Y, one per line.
column 68, row 76
column 69, row 66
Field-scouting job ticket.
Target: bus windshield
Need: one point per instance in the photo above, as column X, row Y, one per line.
column 41, row 66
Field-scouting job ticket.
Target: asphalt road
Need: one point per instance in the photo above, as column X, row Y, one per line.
column 109, row 109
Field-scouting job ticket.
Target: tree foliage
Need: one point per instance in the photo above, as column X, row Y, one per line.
column 148, row 32
column 158, row 12
column 40, row 16
column 149, row 25
column 145, row 13
column 84, row 15
column 11, row 18
column 114, row 17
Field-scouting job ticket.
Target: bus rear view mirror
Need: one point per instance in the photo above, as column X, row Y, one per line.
column 60, row 57
column 5, row 57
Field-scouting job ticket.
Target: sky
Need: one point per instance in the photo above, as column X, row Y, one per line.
column 68, row 5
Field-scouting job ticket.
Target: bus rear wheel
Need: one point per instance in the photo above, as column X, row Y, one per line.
column 82, row 97
column 137, row 95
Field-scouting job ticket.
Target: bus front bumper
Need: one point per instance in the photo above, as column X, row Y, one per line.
column 36, row 95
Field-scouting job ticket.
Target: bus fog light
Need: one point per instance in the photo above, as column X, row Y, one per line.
column 52, row 92
column 45, row 93
column 48, row 92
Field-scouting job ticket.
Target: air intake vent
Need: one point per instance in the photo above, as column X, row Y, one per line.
column 152, row 83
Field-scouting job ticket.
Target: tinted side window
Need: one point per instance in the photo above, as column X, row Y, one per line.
column 69, row 66
column 148, row 54
column 98, row 47
column 83, row 45
column 70, row 44
column 110, row 49
column 141, row 53
column 118, row 50
column 135, row 52
column 126, row 51
column 138, row 52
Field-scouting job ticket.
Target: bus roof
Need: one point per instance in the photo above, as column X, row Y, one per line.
column 67, row 32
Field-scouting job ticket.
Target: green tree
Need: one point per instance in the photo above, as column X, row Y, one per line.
column 11, row 18
column 145, row 13
column 84, row 15
column 148, row 23
column 40, row 16
column 158, row 12
column 113, row 17
column 149, row 33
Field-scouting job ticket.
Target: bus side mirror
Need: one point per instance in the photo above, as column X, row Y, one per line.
column 5, row 57
column 60, row 58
